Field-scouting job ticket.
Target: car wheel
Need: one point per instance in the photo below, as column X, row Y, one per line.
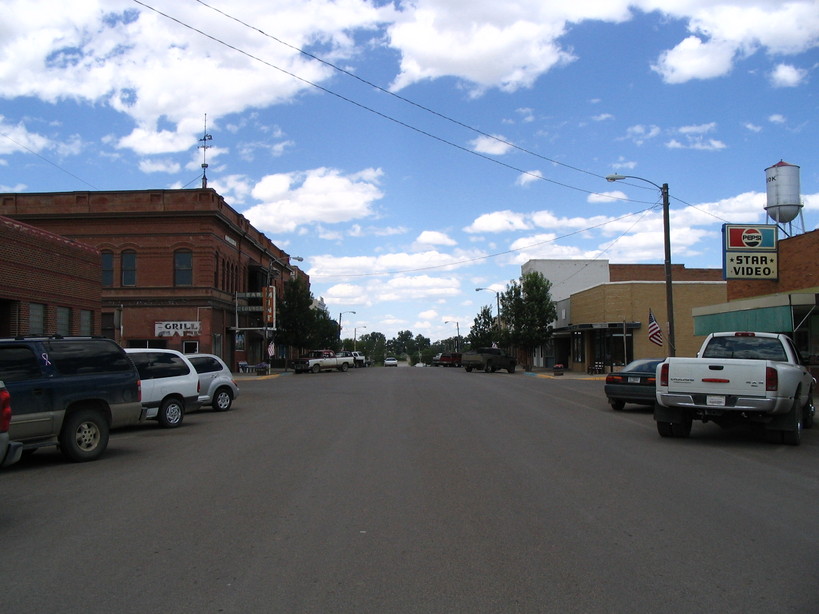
column 617, row 404
column 171, row 413
column 316, row 368
column 222, row 400
column 344, row 367
column 84, row 436
column 808, row 412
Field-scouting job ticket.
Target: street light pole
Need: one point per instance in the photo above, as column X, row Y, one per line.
column 497, row 297
column 669, row 286
column 355, row 335
column 458, row 329
column 339, row 323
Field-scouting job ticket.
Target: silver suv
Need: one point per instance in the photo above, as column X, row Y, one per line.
column 170, row 385
column 217, row 387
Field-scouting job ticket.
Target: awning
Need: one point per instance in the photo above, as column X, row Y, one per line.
column 765, row 320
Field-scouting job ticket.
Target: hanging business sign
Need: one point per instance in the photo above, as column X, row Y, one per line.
column 750, row 252
column 183, row 329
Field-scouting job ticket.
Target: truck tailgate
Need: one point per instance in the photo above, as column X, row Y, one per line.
column 722, row 376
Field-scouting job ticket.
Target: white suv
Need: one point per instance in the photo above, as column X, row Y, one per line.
column 170, row 384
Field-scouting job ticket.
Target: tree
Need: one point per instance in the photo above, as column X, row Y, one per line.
column 528, row 311
column 484, row 329
column 295, row 317
column 324, row 333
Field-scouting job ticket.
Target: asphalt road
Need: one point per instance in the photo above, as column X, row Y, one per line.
column 415, row 490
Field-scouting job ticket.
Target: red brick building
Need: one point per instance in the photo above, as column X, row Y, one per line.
column 179, row 268
column 48, row 284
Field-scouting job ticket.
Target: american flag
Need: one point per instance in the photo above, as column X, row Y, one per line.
column 655, row 333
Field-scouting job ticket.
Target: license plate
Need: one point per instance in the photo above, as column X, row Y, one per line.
column 715, row 401
column 633, row 380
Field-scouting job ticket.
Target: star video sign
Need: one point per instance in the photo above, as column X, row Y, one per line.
column 750, row 252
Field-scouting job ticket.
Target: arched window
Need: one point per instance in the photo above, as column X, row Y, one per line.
column 129, row 265
column 183, row 267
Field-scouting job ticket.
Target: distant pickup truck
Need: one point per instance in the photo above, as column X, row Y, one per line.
column 322, row 360
column 359, row 360
column 488, row 360
column 447, row 359
column 751, row 377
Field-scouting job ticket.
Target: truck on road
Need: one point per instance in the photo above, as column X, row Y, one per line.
column 752, row 377
column 488, row 360
column 322, row 360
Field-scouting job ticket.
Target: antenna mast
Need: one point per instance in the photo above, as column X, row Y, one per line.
column 204, row 147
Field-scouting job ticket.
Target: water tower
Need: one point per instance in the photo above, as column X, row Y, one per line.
column 784, row 204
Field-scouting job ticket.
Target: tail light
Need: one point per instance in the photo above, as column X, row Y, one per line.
column 614, row 379
column 664, row 374
column 771, row 379
column 5, row 410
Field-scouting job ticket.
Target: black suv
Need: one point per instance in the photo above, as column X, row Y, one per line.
column 69, row 392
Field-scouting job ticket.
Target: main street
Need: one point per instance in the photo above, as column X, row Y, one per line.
column 416, row 490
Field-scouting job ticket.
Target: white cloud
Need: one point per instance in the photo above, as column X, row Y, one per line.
column 640, row 133
column 777, row 118
column 528, row 177
column 785, row 75
column 498, row 221
column 431, row 237
column 695, row 59
column 493, row 145
column 290, row 200
column 159, row 166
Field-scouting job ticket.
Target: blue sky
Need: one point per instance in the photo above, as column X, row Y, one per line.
column 475, row 137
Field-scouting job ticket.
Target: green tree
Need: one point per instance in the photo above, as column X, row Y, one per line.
column 528, row 310
column 484, row 329
column 324, row 332
column 295, row 317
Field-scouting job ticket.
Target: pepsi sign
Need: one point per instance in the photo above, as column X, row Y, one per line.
column 759, row 238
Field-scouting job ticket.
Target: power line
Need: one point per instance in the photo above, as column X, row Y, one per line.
column 44, row 159
column 384, row 115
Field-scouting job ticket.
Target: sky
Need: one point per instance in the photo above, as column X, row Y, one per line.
column 413, row 151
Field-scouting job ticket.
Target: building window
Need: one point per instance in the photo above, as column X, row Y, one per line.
column 578, row 355
column 183, row 268
column 190, row 347
column 129, row 268
column 63, row 321
column 107, row 269
column 36, row 319
column 86, row 322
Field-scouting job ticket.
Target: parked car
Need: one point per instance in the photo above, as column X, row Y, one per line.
column 10, row 451
column 170, row 384
column 68, row 392
column 389, row 361
column 635, row 383
column 217, row 387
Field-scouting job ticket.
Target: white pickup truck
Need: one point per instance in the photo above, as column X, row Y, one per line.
column 322, row 360
column 737, row 377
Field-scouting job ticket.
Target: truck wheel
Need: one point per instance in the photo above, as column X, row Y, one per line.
column 222, row 400
column 171, row 413
column 664, row 429
column 468, row 369
column 511, row 369
column 487, row 368
column 793, row 436
column 682, row 429
column 84, row 436
column 344, row 367
column 316, row 368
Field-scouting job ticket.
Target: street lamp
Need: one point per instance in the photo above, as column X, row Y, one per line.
column 458, row 329
column 339, row 322
column 355, row 334
column 497, row 297
column 669, row 290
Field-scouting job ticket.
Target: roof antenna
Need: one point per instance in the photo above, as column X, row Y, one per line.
column 204, row 147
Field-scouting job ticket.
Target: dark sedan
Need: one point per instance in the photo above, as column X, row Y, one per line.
column 636, row 383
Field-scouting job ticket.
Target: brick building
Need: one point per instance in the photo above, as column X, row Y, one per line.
column 179, row 268
column 48, row 283
column 602, row 310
